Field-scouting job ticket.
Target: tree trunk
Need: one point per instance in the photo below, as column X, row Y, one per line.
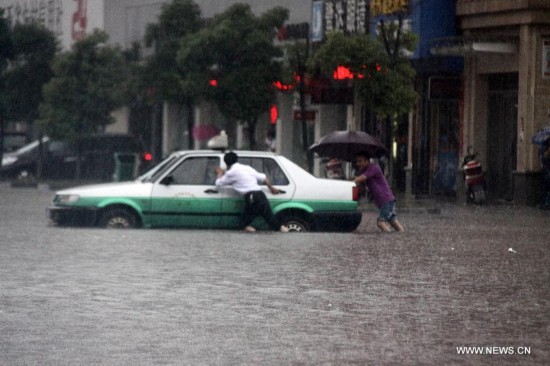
column 190, row 125
column 1, row 138
column 156, row 132
column 252, row 133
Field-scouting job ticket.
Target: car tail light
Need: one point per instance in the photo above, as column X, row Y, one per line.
column 147, row 156
column 355, row 193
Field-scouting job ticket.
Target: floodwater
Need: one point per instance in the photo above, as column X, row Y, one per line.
column 466, row 277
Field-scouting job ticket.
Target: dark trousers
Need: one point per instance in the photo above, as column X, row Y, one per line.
column 256, row 204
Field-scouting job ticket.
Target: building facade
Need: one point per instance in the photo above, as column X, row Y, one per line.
column 506, row 90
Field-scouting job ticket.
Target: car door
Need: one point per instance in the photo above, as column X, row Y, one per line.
column 233, row 203
column 186, row 196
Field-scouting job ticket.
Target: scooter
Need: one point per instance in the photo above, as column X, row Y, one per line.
column 474, row 178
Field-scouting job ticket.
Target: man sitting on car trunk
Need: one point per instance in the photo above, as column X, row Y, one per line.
column 245, row 180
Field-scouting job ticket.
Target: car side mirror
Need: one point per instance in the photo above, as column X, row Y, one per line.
column 167, row 180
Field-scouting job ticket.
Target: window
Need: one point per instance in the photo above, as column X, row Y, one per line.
column 269, row 167
column 196, row 171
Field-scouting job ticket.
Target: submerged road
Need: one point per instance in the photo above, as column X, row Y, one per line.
column 474, row 277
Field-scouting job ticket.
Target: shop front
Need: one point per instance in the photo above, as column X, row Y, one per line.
column 506, row 91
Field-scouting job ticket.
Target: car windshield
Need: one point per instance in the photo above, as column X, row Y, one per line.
column 159, row 169
column 30, row 146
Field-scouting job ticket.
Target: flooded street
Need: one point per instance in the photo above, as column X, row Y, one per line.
column 466, row 277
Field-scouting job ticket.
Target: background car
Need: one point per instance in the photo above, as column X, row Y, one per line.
column 98, row 154
column 181, row 192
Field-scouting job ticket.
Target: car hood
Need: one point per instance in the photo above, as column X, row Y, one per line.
column 118, row 189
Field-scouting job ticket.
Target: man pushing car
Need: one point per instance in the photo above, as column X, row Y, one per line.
column 246, row 181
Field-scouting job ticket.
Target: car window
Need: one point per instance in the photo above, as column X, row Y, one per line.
column 158, row 170
column 269, row 167
column 60, row 148
column 196, row 171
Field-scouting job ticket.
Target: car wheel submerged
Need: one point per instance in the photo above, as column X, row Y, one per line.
column 295, row 224
column 118, row 218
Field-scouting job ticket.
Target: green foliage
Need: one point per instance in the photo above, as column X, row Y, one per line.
column 34, row 48
column 384, row 81
column 177, row 20
column 6, row 52
column 236, row 50
column 6, row 47
column 89, row 82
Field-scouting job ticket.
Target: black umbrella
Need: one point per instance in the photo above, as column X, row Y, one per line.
column 346, row 144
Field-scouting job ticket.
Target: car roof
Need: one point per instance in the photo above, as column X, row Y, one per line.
column 220, row 152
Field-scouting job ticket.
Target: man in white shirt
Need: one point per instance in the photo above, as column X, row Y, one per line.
column 246, row 181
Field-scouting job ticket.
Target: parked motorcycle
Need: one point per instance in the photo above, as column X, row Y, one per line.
column 474, row 178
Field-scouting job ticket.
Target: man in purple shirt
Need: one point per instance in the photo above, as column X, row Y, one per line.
column 371, row 175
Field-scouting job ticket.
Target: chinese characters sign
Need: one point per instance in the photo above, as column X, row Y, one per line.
column 386, row 7
column 348, row 16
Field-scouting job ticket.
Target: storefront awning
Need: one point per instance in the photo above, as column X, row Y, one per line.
column 463, row 46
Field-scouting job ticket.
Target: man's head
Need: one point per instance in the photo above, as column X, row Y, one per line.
column 362, row 160
column 230, row 158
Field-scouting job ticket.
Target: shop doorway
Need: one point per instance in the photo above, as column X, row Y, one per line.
column 502, row 135
column 446, row 143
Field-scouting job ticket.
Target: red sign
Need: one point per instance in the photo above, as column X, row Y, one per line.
column 79, row 21
column 310, row 115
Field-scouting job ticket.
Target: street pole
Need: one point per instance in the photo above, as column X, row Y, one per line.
column 305, row 136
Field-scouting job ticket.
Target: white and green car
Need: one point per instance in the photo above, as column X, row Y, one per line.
column 180, row 192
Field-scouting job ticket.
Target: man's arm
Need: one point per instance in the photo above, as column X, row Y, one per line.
column 360, row 179
column 273, row 190
column 222, row 180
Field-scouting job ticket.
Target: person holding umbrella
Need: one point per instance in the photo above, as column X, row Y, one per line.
column 371, row 175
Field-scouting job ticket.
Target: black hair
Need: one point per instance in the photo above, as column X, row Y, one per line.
column 230, row 158
column 363, row 154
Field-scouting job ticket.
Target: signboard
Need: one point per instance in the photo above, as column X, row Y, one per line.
column 347, row 16
column 546, row 58
column 317, row 21
column 387, row 7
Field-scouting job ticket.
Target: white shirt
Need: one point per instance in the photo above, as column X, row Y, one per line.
column 242, row 178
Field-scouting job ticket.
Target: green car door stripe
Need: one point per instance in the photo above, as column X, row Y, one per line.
column 189, row 213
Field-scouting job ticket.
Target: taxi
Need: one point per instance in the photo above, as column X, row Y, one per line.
column 180, row 192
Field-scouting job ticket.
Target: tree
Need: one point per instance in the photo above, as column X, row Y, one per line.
column 34, row 50
column 6, row 52
column 298, row 54
column 89, row 83
column 384, row 83
column 161, row 72
column 176, row 20
column 238, row 52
